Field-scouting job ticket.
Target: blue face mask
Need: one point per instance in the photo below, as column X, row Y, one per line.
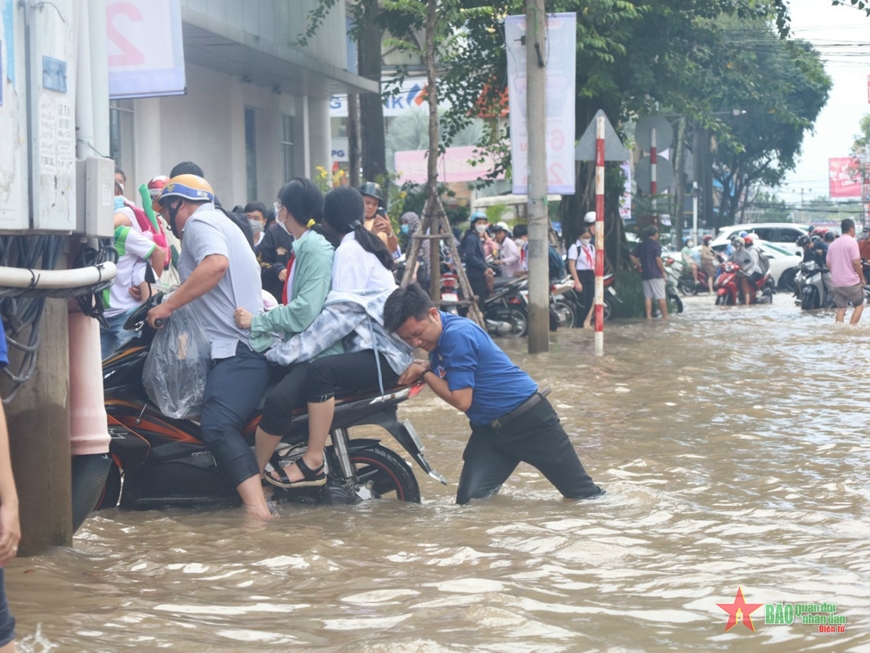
column 405, row 229
column 119, row 202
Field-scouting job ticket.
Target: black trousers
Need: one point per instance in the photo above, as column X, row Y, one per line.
column 535, row 438
column 233, row 388
column 587, row 295
column 319, row 380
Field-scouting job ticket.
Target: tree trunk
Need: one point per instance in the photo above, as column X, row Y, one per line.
column 354, row 147
column 679, row 183
column 371, row 122
column 432, row 203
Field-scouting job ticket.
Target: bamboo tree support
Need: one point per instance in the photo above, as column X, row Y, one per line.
column 434, row 226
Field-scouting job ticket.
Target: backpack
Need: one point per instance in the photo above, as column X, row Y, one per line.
column 556, row 263
column 241, row 221
column 763, row 262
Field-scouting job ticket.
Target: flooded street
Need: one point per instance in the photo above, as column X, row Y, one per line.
column 732, row 444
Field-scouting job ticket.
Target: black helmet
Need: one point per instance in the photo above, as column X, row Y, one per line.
column 829, row 237
column 372, row 189
column 816, row 240
column 803, row 241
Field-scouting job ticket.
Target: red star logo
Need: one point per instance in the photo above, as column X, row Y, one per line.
column 739, row 607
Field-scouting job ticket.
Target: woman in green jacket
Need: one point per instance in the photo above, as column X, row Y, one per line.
column 299, row 207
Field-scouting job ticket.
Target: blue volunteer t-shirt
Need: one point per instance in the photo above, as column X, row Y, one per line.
column 4, row 356
column 468, row 358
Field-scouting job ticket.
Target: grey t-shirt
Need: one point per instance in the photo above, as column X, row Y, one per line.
column 207, row 232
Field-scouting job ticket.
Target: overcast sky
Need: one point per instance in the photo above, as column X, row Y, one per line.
column 842, row 35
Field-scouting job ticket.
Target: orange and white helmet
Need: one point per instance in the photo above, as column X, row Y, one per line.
column 188, row 187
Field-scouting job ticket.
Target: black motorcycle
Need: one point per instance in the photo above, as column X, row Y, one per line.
column 159, row 461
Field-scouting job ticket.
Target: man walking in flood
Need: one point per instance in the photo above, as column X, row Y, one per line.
column 648, row 257
column 844, row 262
column 511, row 420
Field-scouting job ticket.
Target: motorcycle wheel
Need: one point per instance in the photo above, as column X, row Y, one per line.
column 786, row 280
column 675, row 304
column 111, row 490
column 687, row 286
column 567, row 314
column 520, row 321
column 722, row 300
column 808, row 300
column 383, row 474
column 608, row 309
column 89, row 475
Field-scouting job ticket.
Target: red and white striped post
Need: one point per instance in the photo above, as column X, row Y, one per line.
column 599, row 236
column 653, row 184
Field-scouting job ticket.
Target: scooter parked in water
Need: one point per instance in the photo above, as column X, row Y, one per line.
column 730, row 293
column 810, row 290
column 160, row 461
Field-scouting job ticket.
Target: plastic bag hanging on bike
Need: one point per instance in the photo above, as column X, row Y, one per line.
column 177, row 366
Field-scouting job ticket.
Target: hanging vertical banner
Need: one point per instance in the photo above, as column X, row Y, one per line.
column 560, row 58
column 146, row 54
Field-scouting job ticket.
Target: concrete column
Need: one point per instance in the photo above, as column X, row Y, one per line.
column 38, row 419
column 147, row 150
column 319, row 133
column 303, row 132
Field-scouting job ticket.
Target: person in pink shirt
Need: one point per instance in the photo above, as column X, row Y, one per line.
column 844, row 262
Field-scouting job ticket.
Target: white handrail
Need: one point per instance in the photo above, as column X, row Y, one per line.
column 57, row 279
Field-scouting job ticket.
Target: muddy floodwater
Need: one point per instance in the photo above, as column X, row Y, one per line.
column 733, row 446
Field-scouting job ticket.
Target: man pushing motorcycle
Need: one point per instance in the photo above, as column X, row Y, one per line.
column 511, row 420
column 219, row 272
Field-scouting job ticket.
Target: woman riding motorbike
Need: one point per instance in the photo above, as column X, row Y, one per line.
column 352, row 319
column 299, row 208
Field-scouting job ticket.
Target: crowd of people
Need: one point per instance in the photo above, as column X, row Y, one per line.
column 304, row 293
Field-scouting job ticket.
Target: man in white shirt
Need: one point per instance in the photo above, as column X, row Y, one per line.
column 510, row 261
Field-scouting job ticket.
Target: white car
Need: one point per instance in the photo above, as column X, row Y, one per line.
column 784, row 263
column 782, row 234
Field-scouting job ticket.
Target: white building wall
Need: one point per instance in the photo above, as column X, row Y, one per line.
column 207, row 126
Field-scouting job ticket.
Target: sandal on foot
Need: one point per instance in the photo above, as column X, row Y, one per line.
column 310, row 477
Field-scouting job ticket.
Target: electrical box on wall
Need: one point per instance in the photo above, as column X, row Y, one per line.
column 95, row 185
column 14, row 211
column 52, row 83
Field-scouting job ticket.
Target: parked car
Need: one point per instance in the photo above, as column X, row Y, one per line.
column 784, row 264
column 781, row 234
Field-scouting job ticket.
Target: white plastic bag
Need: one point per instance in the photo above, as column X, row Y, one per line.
column 177, row 365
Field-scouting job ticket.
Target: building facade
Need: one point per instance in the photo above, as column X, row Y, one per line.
column 256, row 108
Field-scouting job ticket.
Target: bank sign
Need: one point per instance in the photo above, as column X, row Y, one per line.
column 411, row 96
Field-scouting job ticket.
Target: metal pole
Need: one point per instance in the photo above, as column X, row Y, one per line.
column 653, row 184
column 536, row 125
column 599, row 236
column 695, row 211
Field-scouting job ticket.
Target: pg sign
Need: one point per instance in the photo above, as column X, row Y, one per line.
column 146, row 54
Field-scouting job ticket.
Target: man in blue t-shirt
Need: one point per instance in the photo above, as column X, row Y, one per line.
column 10, row 530
column 511, row 421
column 648, row 257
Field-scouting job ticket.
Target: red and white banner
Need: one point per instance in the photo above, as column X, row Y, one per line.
column 146, row 54
column 844, row 177
column 561, row 56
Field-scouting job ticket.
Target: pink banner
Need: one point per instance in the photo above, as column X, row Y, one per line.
column 844, row 177
column 453, row 166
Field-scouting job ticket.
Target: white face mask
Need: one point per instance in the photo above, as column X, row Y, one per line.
column 585, row 241
column 480, row 228
column 281, row 223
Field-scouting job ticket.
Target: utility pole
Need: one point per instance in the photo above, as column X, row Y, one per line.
column 536, row 121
